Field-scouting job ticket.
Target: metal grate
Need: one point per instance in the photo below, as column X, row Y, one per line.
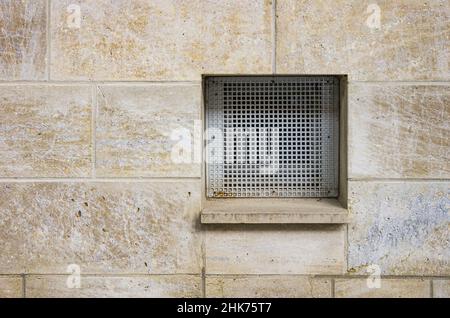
column 274, row 136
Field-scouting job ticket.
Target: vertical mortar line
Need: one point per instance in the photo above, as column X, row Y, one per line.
column 333, row 286
column 49, row 39
column 24, row 286
column 274, row 36
column 93, row 129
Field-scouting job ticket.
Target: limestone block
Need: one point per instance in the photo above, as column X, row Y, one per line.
column 388, row 288
column 103, row 227
column 23, row 40
column 401, row 227
column 441, row 288
column 45, row 130
column 267, row 286
column 399, row 131
column 11, row 287
column 150, row 286
column 149, row 131
column 275, row 249
column 161, row 40
column 368, row 40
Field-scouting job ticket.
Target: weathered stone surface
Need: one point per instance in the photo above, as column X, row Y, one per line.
column 399, row 131
column 342, row 37
column 161, row 40
column 103, row 227
column 150, row 286
column 441, row 288
column 403, row 227
column 389, row 288
column 140, row 128
column 282, row 211
column 45, row 131
column 268, row 286
column 23, row 40
column 275, row 249
column 11, row 287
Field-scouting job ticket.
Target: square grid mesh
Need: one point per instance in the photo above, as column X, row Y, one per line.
column 274, row 136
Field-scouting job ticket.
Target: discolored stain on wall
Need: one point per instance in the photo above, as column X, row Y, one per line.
column 404, row 228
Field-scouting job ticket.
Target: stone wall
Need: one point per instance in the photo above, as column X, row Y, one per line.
column 88, row 103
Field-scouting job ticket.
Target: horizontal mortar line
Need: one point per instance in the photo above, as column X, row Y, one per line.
column 394, row 180
column 393, row 83
column 131, row 83
column 124, row 83
column 99, row 179
column 271, row 276
column 352, row 276
column 110, row 275
column 323, row 276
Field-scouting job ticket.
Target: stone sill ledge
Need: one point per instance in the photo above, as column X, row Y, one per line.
column 273, row 211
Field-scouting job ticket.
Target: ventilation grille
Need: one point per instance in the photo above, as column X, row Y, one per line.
column 272, row 136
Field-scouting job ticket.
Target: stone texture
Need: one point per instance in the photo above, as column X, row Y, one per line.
column 138, row 129
column 23, row 40
column 401, row 227
column 122, row 287
column 45, row 131
column 333, row 37
column 389, row 288
column 161, row 40
column 281, row 211
column 399, row 131
column 441, row 288
column 268, row 286
column 11, row 287
column 103, row 227
column 273, row 249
